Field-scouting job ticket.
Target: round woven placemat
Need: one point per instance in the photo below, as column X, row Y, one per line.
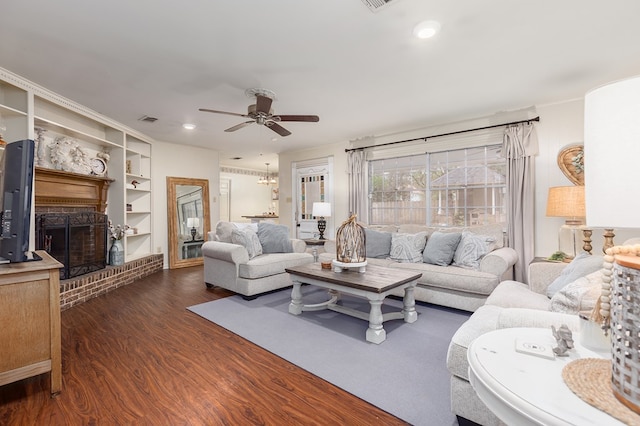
column 590, row 379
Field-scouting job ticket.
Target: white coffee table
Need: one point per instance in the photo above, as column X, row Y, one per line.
column 374, row 285
column 524, row 389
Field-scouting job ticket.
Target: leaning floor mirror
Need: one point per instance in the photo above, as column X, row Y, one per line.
column 189, row 221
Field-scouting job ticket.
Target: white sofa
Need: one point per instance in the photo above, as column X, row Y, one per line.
column 514, row 304
column 230, row 266
column 449, row 285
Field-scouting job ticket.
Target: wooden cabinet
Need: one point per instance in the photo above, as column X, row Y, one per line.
column 29, row 111
column 30, row 318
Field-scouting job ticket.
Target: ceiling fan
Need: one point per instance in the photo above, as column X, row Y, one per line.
column 262, row 113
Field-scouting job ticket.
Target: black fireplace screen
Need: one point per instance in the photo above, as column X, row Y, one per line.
column 77, row 240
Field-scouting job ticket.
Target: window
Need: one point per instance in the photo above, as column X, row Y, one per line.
column 451, row 188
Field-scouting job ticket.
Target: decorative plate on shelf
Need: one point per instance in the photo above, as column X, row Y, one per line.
column 571, row 162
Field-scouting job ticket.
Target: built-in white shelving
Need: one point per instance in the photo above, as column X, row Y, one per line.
column 28, row 110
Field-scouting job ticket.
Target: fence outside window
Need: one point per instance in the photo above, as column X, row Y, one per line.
column 459, row 187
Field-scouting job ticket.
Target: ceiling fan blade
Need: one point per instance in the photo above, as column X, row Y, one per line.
column 277, row 128
column 263, row 104
column 239, row 126
column 223, row 112
column 308, row 118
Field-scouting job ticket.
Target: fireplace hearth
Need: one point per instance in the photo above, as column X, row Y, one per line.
column 72, row 207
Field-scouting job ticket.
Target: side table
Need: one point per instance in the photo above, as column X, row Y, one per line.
column 524, row 389
column 315, row 246
column 192, row 249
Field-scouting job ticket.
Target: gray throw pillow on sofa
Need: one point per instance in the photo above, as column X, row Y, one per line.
column 581, row 265
column 579, row 296
column 223, row 231
column 441, row 247
column 407, row 248
column 248, row 239
column 377, row 244
column 274, row 238
column 471, row 249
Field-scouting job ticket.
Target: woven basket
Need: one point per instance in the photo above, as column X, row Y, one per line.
column 625, row 329
column 350, row 242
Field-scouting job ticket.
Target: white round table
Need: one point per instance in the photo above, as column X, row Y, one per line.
column 523, row 389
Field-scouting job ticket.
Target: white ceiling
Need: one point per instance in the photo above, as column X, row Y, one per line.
column 362, row 73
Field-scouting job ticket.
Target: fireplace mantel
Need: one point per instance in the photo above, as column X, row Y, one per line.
column 57, row 188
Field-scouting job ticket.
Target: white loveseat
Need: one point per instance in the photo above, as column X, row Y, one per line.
column 514, row 304
column 231, row 265
column 462, row 287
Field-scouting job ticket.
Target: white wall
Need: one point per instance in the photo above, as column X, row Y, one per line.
column 180, row 161
column 247, row 197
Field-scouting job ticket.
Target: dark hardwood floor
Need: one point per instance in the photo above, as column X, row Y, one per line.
column 136, row 356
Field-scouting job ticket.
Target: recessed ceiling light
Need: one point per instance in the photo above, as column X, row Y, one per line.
column 189, row 126
column 274, row 139
column 426, row 29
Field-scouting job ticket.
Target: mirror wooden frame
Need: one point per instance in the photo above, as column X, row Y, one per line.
column 172, row 215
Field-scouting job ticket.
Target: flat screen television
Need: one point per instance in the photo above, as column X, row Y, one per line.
column 16, row 185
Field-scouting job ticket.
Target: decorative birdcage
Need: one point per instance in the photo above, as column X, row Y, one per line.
column 350, row 242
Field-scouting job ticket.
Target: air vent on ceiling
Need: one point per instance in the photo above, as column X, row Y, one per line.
column 376, row 5
column 148, row 119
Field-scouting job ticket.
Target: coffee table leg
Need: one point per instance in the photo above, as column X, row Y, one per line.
column 375, row 332
column 295, row 307
column 409, row 302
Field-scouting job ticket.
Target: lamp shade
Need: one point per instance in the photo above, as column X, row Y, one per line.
column 193, row 222
column 566, row 201
column 612, row 150
column 321, row 209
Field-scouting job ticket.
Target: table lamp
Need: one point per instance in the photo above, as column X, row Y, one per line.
column 193, row 223
column 567, row 202
column 320, row 211
column 612, row 149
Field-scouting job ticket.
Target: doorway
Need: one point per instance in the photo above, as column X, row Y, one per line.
column 313, row 182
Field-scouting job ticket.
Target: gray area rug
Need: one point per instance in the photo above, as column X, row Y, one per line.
column 406, row 375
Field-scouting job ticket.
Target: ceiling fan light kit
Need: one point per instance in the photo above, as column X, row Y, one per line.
column 262, row 114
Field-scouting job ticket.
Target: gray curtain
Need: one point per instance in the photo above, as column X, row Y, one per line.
column 519, row 147
column 357, row 185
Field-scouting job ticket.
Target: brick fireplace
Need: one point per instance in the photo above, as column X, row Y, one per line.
column 71, row 226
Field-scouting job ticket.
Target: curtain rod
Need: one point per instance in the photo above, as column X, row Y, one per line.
column 444, row 134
